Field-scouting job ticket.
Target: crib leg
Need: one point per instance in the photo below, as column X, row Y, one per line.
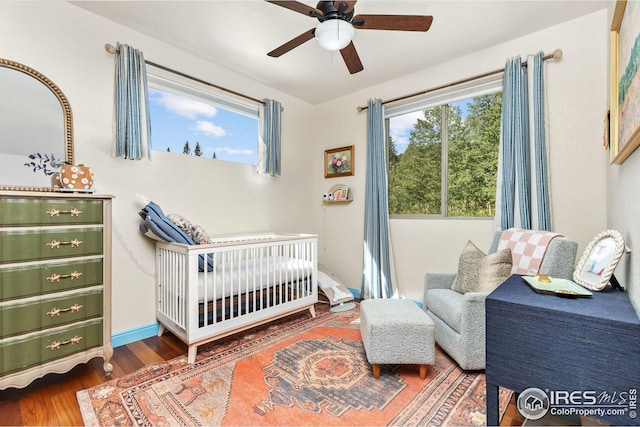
column 160, row 329
column 312, row 310
column 191, row 355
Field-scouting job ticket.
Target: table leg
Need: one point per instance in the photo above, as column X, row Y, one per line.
column 493, row 404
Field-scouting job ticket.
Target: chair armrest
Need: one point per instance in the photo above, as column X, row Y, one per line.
column 473, row 316
column 475, row 298
column 473, row 312
column 438, row 280
column 559, row 261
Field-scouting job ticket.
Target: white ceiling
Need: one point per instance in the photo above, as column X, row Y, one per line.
column 238, row 34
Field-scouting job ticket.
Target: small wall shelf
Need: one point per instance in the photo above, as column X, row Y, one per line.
column 337, row 201
column 339, row 193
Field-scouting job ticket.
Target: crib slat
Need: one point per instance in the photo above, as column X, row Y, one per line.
column 264, row 276
column 214, row 304
column 253, row 261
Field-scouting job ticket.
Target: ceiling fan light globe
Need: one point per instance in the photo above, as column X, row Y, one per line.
column 334, row 34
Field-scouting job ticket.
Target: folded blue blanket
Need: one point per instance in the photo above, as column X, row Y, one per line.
column 156, row 225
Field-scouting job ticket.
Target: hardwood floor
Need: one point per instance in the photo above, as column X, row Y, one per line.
column 512, row 416
column 51, row 401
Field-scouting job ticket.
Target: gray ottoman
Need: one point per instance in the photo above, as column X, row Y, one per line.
column 396, row 331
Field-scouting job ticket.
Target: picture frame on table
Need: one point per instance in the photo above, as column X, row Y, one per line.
column 624, row 84
column 339, row 162
column 595, row 268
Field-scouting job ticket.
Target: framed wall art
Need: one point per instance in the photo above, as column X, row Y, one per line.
column 599, row 260
column 338, row 162
column 624, row 81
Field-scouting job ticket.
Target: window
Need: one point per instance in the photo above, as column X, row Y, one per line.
column 443, row 154
column 193, row 120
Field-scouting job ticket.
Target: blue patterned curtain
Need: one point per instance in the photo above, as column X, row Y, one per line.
column 376, row 275
column 133, row 126
column 271, row 131
column 540, row 141
column 520, row 176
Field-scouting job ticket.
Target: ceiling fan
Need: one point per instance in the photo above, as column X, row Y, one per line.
column 337, row 27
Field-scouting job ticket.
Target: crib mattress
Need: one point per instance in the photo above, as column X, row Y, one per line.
column 251, row 275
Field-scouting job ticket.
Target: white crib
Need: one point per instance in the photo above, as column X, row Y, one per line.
column 206, row 292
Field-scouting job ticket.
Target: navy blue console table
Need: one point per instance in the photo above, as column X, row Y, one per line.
column 562, row 344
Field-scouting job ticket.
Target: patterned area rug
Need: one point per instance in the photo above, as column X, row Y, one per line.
column 298, row 371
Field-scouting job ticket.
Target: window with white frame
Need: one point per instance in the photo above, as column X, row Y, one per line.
column 443, row 153
column 193, row 119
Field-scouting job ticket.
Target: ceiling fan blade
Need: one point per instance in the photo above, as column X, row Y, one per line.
column 393, row 22
column 351, row 58
column 349, row 5
column 298, row 7
column 293, row 43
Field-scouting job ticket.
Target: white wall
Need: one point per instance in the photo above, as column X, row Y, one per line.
column 577, row 90
column 66, row 44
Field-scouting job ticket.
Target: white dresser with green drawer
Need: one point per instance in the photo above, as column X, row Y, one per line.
column 55, row 283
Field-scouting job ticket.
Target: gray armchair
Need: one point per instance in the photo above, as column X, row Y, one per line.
column 460, row 318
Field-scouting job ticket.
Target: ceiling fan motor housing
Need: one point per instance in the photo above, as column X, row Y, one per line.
column 329, row 11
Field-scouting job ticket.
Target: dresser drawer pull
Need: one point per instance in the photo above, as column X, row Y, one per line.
column 55, row 277
column 57, row 344
column 56, row 311
column 55, row 244
column 56, row 212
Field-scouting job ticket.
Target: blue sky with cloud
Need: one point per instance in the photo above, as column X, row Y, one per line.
column 176, row 119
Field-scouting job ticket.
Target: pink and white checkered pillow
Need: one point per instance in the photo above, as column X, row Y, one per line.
column 527, row 248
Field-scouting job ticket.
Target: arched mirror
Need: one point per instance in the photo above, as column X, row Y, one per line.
column 35, row 117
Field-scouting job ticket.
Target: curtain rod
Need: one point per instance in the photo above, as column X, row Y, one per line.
column 556, row 54
column 112, row 50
